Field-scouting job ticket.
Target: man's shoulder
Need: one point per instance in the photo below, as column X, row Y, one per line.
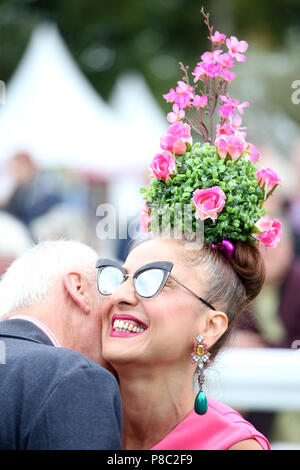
column 61, row 360
column 44, row 365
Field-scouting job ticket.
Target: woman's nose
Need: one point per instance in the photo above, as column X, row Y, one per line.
column 125, row 293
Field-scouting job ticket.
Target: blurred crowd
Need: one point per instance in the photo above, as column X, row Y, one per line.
column 37, row 205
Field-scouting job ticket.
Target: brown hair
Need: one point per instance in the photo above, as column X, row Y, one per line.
column 232, row 282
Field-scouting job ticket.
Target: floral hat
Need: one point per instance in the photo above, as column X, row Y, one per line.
column 217, row 177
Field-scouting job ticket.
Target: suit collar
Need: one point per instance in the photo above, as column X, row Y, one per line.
column 23, row 329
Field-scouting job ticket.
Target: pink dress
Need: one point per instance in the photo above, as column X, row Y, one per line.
column 218, row 429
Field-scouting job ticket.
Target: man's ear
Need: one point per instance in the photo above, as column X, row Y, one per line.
column 74, row 285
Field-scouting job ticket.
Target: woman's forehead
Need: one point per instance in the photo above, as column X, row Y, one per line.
column 153, row 250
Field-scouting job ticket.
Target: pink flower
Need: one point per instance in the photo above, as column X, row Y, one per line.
column 183, row 100
column 235, row 146
column 226, row 129
column 208, row 202
column 211, row 57
column 268, row 177
column 226, row 111
column 171, row 96
column 234, row 103
column 226, row 60
column 183, row 87
column 235, row 48
column 227, row 75
column 212, row 70
column 176, row 115
column 199, row 72
column 179, row 147
column 253, row 153
column 199, row 101
column 145, row 218
column 240, row 107
column 221, row 145
column 232, row 144
column 270, row 231
column 163, row 165
column 236, row 122
column 176, row 132
column 218, row 38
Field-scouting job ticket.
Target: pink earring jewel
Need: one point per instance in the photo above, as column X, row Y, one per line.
column 200, row 356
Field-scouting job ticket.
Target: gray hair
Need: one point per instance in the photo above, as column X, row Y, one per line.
column 30, row 278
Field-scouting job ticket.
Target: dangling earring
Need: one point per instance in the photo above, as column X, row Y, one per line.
column 200, row 356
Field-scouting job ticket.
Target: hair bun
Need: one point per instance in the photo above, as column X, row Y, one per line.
column 250, row 267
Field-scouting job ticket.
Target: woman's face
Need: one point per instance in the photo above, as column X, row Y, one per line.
column 166, row 324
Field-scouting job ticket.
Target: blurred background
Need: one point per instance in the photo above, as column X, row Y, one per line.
column 81, row 115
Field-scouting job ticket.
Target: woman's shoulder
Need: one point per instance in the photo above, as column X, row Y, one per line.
column 220, row 428
column 230, row 427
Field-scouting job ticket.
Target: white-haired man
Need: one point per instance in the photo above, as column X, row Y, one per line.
column 55, row 389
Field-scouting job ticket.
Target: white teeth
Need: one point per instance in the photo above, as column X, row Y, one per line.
column 121, row 325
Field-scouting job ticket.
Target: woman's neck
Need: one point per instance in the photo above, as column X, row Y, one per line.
column 153, row 404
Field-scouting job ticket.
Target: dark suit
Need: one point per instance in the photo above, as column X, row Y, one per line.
column 53, row 398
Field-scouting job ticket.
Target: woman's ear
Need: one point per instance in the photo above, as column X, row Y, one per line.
column 215, row 324
column 75, row 287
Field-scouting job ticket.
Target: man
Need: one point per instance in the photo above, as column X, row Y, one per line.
column 55, row 389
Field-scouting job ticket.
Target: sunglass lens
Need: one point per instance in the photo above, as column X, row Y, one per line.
column 149, row 282
column 109, row 278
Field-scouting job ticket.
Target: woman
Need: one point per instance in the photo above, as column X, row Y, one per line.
column 171, row 299
column 150, row 323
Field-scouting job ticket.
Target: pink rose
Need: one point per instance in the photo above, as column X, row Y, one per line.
column 145, row 218
column 234, row 145
column 268, row 177
column 253, row 153
column 208, row 202
column 163, row 165
column 179, row 147
column 176, row 132
column 270, row 231
column 221, row 146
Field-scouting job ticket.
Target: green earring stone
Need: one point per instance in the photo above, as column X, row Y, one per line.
column 200, row 405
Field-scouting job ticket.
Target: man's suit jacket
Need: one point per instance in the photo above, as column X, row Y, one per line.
column 53, row 398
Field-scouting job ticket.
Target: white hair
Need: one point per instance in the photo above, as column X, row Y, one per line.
column 30, row 277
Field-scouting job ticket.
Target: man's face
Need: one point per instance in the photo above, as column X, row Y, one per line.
column 90, row 329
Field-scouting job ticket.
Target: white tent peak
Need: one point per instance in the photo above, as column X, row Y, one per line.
column 133, row 99
column 53, row 113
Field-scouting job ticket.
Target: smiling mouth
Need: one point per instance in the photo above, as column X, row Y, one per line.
column 126, row 326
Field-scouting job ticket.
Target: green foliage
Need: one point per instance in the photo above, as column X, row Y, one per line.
column 202, row 168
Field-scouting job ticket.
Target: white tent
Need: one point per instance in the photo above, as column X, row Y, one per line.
column 133, row 100
column 135, row 104
column 54, row 114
